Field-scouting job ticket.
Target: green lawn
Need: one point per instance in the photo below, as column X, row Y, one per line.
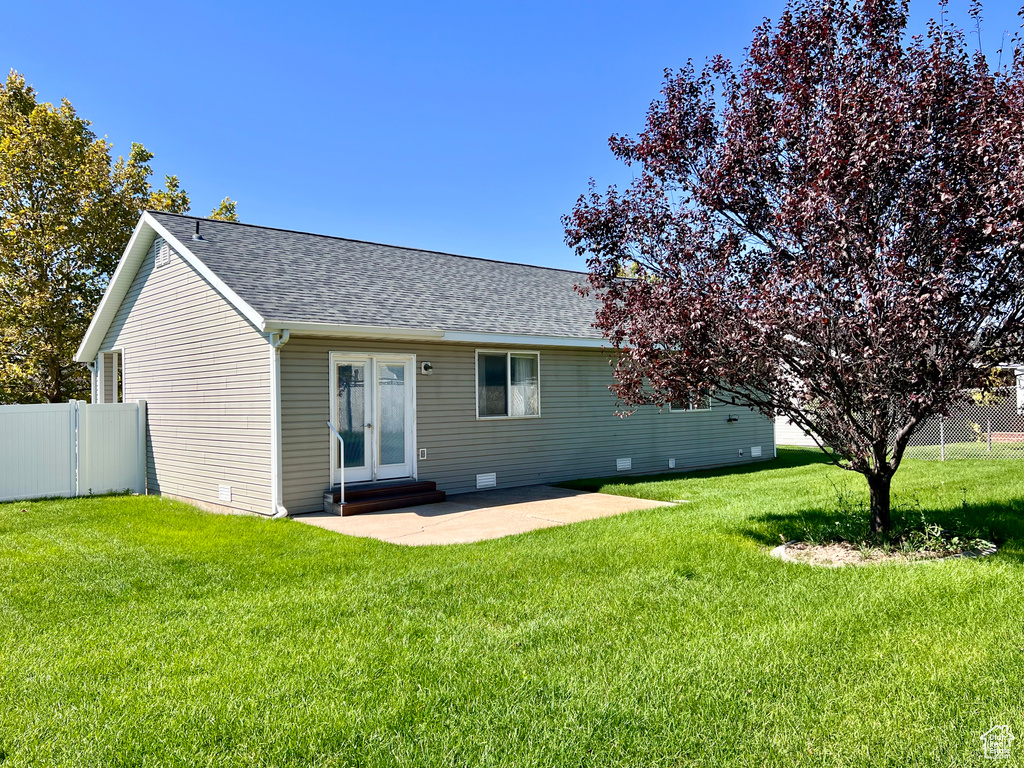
column 138, row 631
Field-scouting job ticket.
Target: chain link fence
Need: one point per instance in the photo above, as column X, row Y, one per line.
column 982, row 426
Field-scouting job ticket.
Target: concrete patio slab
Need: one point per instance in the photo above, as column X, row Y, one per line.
column 468, row 517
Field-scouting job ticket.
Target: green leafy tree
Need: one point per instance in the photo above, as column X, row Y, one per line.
column 226, row 211
column 67, row 211
column 173, row 199
column 831, row 230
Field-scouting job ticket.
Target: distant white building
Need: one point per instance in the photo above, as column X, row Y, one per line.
column 1020, row 389
column 788, row 433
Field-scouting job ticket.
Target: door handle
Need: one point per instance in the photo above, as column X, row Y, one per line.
column 369, row 426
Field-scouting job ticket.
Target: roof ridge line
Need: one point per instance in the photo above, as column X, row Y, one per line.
column 365, row 242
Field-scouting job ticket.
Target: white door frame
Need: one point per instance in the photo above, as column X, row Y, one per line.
column 374, row 469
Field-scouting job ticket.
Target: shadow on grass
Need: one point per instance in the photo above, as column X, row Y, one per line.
column 1000, row 523
column 788, row 458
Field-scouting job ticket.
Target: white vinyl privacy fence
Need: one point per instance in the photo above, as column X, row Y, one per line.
column 72, row 449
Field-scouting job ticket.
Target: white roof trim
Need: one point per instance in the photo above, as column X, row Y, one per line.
column 233, row 298
column 338, row 329
column 524, row 339
column 465, row 337
column 138, row 246
column 141, row 239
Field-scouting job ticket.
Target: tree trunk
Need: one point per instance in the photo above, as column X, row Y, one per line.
column 880, row 485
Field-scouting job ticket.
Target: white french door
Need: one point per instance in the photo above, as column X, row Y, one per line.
column 373, row 407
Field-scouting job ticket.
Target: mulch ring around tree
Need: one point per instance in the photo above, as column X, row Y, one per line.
column 838, row 554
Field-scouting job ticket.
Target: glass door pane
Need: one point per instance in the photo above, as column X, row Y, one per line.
column 391, row 389
column 351, row 410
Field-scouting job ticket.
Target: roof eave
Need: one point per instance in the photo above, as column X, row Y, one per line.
column 432, row 334
column 219, row 285
column 344, row 329
column 138, row 246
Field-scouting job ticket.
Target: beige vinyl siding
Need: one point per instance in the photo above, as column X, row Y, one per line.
column 204, row 371
column 577, row 435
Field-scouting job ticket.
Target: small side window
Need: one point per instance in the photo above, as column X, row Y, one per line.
column 119, row 384
column 693, row 403
column 110, row 377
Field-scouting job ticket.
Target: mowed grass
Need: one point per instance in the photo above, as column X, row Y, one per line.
column 138, row 631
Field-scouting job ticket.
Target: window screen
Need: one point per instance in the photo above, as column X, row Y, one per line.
column 492, row 382
column 508, row 384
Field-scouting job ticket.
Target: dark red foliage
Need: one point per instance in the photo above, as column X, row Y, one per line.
column 832, row 231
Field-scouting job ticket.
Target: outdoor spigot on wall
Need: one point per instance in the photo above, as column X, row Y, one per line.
column 732, row 419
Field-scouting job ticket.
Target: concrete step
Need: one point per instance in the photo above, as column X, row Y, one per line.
column 363, row 491
column 374, row 497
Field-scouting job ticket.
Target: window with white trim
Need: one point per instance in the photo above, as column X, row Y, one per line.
column 692, row 403
column 109, row 377
column 507, row 385
column 119, row 381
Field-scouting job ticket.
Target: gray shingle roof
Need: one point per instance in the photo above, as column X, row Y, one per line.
column 298, row 277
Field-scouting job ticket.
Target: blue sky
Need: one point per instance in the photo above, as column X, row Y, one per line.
column 461, row 127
